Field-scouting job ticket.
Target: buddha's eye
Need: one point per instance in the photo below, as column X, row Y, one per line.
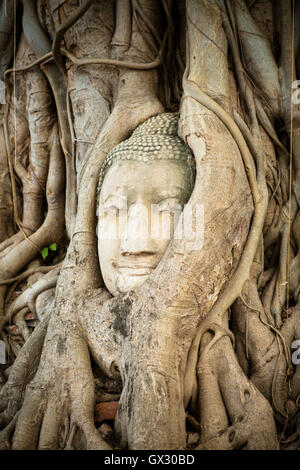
column 113, row 211
column 114, row 206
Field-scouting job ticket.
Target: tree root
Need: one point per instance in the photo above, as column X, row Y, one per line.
column 21, row 323
column 6, row 33
column 291, row 331
column 59, row 34
column 263, row 347
column 52, row 229
column 10, row 243
column 27, row 299
column 6, row 434
column 60, row 399
column 40, row 44
column 21, row 373
column 233, row 413
column 29, row 272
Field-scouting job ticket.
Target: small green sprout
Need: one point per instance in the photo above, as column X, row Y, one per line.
column 45, row 251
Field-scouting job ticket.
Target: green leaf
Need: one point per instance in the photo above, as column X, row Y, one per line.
column 53, row 247
column 45, row 252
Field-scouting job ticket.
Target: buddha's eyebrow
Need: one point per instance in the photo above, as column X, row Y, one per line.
column 172, row 193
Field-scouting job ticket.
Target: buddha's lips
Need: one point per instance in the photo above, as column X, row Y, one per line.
column 136, row 269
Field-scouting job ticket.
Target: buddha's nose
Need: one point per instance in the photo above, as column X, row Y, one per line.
column 136, row 237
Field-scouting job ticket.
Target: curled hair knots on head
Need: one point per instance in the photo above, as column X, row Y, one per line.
column 155, row 139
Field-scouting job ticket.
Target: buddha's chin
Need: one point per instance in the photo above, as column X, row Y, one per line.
column 126, row 283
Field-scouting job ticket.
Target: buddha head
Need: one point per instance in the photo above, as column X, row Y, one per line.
column 143, row 186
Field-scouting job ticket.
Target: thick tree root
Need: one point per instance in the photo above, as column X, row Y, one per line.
column 233, row 413
column 262, row 350
column 61, row 396
column 6, row 434
column 52, row 229
column 291, row 332
column 21, row 373
column 27, row 299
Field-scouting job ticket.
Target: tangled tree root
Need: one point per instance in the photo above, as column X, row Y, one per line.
column 21, row 373
column 61, row 400
column 6, row 434
column 27, row 299
column 233, row 413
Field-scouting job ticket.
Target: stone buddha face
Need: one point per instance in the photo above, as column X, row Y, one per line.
column 139, row 203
